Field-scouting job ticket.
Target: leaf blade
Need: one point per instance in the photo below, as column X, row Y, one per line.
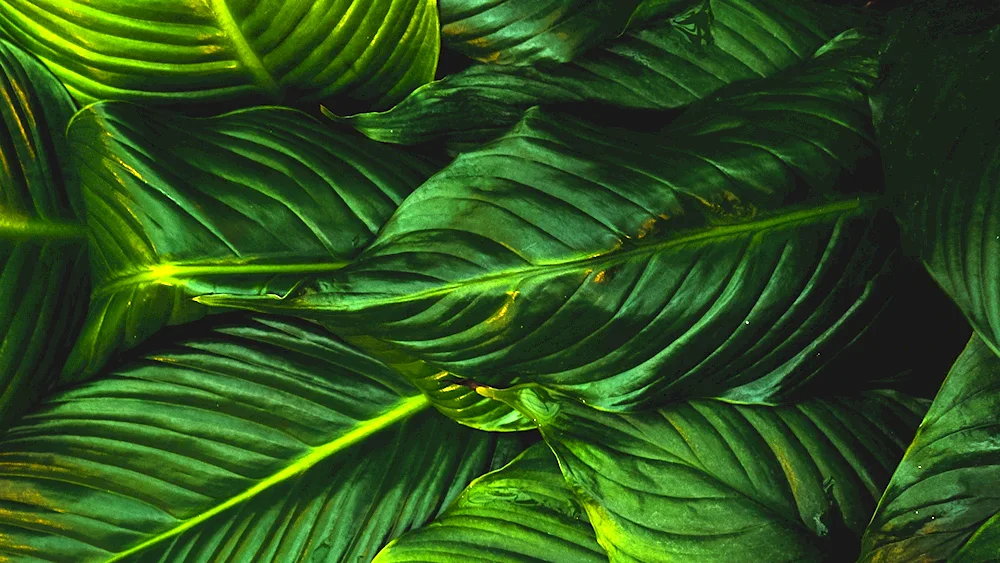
column 576, row 261
column 715, row 481
column 221, row 51
column 222, row 429
column 521, row 512
column 42, row 243
column 245, row 200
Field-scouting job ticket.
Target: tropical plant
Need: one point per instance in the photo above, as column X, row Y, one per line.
column 499, row 281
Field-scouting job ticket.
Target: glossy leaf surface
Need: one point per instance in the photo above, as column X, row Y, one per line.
column 521, row 513
column 711, row 481
column 248, row 201
column 940, row 504
column 657, row 67
column 252, row 440
column 43, row 267
column 223, row 51
column 936, row 117
column 718, row 260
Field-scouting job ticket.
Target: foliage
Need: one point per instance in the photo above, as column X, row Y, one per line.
column 630, row 281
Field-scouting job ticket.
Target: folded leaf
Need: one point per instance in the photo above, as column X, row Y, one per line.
column 654, row 68
column 43, row 263
column 936, row 116
column 521, row 513
column 718, row 259
column 223, row 51
column 249, row 440
column 527, row 31
column 245, row 202
column 711, row 481
column 941, row 504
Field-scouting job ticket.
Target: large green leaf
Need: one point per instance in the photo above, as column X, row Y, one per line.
column 711, row 481
column 220, row 51
column 43, row 266
column 244, row 202
column 941, row 504
column 936, row 117
column 527, row 31
column 715, row 260
column 654, row 68
column 248, row 440
column 521, row 513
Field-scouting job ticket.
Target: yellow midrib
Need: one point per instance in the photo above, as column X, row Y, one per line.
column 244, row 52
column 21, row 228
column 597, row 261
column 177, row 274
column 404, row 409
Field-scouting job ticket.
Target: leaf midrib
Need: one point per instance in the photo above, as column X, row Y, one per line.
column 22, row 229
column 599, row 261
column 176, row 274
column 404, row 409
column 244, row 52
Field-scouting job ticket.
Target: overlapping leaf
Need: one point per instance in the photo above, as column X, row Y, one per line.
column 937, row 122
column 522, row 513
column 248, row 440
column 221, row 51
column 711, row 481
column 941, row 504
column 43, row 266
column 654, row 68
column 247, row 201
column 528, row 31
column 712, row 258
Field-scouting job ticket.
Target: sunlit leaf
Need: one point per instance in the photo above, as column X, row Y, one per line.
column 253, row 440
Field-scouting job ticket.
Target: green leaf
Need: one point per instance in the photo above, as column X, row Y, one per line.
column 223, row 51
column 718, row 259
column 245, row 202
column 654, row 68
column 936, row 117
column 521, row 513
column 940, row 504
column 711, row 481
column 450, row 394
column 254, row 440
column 42, row 245
column 527, row 31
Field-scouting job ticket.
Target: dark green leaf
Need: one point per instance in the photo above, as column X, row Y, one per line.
column 526, row 31
column 221, row 51
column 937, row 121
column 941, row 504
column 42, row 245
column 711, row 481
column 259, row 440
column 244, row 202
column 519, row 514
column 654, row 68
column 712, row 258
